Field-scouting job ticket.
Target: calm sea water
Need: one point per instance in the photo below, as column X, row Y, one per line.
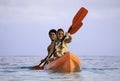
column 93, row 69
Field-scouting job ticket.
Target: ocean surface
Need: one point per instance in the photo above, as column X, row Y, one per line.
column 102, row 68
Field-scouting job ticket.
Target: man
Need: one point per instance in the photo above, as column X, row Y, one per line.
column 51, row 47
column 52, row 35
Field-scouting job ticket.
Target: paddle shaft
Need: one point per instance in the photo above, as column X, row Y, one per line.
column 43, row 60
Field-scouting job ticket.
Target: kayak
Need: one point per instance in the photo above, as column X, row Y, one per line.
column 67, row 63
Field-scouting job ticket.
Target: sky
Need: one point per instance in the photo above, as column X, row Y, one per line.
column 24, row 26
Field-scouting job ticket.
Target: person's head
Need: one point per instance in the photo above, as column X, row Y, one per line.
column 60, row 34
column 52, row 34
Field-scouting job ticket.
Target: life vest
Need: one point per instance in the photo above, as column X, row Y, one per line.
column 61, row 49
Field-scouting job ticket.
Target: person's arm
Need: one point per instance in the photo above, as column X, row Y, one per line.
column 51, row 47
column 48, row 50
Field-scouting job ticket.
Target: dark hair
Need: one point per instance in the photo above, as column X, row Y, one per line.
column 52, row 30
column 60, row 29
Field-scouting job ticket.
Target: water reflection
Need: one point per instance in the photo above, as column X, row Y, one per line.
column 60, row 76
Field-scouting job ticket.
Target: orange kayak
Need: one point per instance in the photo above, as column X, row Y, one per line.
column 67, row 63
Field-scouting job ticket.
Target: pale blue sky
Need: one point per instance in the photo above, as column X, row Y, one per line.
column 24, row 26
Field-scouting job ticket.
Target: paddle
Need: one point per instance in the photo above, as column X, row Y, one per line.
column 76, row 24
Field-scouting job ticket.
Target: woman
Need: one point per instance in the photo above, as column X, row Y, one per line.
column 61, row 43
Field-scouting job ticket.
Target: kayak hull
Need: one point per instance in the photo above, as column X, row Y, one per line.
column 67, row 63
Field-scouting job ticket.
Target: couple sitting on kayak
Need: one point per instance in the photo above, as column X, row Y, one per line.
column 61, row 47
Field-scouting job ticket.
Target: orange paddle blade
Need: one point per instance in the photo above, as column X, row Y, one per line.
column 37, row 67
column 80, row 14
column 75, row 27
column 77, row 20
